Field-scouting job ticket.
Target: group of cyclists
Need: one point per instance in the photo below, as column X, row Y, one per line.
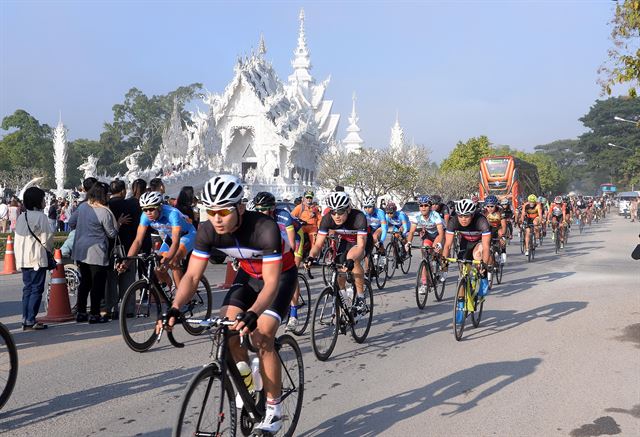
column 270, row 244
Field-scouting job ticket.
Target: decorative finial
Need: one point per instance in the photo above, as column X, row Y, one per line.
column 301, row 16
column 353, row 107
column 262, row 47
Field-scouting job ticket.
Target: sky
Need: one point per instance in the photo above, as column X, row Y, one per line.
column 520, row 72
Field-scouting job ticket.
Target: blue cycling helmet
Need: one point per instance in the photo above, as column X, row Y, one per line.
column 424, row 199
column 491, row 200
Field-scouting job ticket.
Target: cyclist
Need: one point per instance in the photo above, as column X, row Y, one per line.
column 175, row 230
column 377, row 222
column 475, row 243
column 431, row 230
column 399, row 223
column 262, row 288
column 498, row 221
column 441, row 208
column 507, row 210
column 568, row 209
column 581, row 207
column 558, row 216
column 292, row 234
column 309, row 214
column 351, row 225
column 531, row 217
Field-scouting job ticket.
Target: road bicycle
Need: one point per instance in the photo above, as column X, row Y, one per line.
column 303, row 306
column 468, row 286
column 336, row 311
column 532, row 240
column 522, row 241
column 208, row 405
column 497, row 265
column 328, row 254
column 428, row 277
column 378, row 268
column 8, row 365
column 398, row 255
column 142, row 306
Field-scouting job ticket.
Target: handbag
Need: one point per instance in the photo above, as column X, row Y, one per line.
column 51, row 261
column 118, row 251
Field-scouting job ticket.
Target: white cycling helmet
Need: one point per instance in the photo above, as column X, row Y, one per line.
column 150, row 198
column 369, row 201
column 223, row 190
column 338, row 200
column 465, row 207
column 558, row 199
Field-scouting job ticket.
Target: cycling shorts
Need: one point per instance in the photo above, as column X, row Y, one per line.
column 345, row 246
column 187, row 241
column 466, row 248
column 244, row 292
column 298, row 252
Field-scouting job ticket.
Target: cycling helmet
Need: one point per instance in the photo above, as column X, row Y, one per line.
column 491, row 200
column 223, row 190
column 436, row 199
column 369, row 202
column 309, row 193
column 542, row 199
column 425, row 199
column 251, row 206
column 150, row 198
column 505, row 202
column 338, row 200
column 532, row 198
column 558, row 199
column 465, row 207
column 264, row 199
column 390, row 207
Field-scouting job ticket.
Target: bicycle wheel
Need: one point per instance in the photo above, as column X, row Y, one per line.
column 458, row 327
column 440, row 284
column 392, row 258
column 531, row 249
column 326, row 270
column 499, row 270
column 324, row 330
column 382, row 271
column 423, row 270
column 292, row 383
column 198, row 308
column 303, row 304
column 556, row 237
column 405, row 265
column 140, row 309
column 363, row 316
column 8, row 364
column 72, row 275
column 476, row 316
column 207, row 406
column 522, row 248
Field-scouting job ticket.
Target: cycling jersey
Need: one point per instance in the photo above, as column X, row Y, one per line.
column 507, row 212
column 581, row 204
column 285, row 222
column 478, row 227
column 556, row 210
column 397, row 220
column 255, row 242
column 377, row 220
column 354, row 225
column 169, row 218
column 495, row 218
column 429, row 225
column 443, row 209
column 531, row 211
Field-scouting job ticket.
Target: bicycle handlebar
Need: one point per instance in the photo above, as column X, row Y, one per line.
column 464, row 261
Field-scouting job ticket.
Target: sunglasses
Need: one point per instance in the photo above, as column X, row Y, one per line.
column 424, row 205
column 222, row 212
column 154, row 208
column 341, row 211
column 490, row 206
column 263, row 208
column 309, row 197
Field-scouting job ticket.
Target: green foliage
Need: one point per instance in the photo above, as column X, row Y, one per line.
column 467, row 155
column 623, row 62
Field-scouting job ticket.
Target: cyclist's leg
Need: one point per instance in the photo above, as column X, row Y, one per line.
column 527, row 231
column 358, row 270
column 428, row 241
column 177, row 264
column 293, row 307
column 536, row 227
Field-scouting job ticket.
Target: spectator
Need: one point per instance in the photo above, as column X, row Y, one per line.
column 633, row 208
column 14, row 212
column 94, row 224
column 138, row 187
column 31, row 256
column 156, row 184
column 4, row 216
column 63, row 219
column 117, row 284
column 186, row 204
column 53, row 215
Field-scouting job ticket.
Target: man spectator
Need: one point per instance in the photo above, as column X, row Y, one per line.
column 53, row 215
column 308, row 214
column 633, row 208
column 4, row 216
column 156, row 184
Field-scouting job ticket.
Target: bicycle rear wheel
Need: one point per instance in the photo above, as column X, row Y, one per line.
column 499, row 270
column 392, row 257
column 303, row 304
column 292, row 383
column 478, row 304
column 207, row 406
column 556, row 238
column 458, row 326
column 326, row 270
column 522, row 248
column 363, row 316
column 140, row 309
column 8, row 365
column 382, row 271
column 423, row 270
column 199, row 307
column 324, row 329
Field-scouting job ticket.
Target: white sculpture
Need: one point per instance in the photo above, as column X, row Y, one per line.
column 89, row 167
column 133, row 168
column 60, row 156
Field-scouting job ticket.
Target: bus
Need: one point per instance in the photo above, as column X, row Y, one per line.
column 510, row 177
column 609, row 189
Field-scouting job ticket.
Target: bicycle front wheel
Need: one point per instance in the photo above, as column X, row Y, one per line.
column 476, row 316
column 303, row 304
column 363, row 316
column 382, row 271
column 459, row 319
column 406, row 263
column 140, row 309
column 326, row 319
column 499, row 270
column 422, row 289
column 198, row 308
column 207, row 406
column 292, row 383
column 326, row 270
column 392, row 256
column 8, row 364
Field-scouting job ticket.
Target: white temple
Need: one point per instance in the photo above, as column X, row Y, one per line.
column 60, row 156
column 397, row 141
column 353, row 143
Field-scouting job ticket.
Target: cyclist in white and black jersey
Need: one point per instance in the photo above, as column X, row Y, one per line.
column 262, row 288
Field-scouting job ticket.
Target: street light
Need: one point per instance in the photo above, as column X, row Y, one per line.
column 620, row 147
column 624, row 119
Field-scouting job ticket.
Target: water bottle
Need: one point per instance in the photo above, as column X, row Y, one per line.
column 255, row 372
column 484, row 287
column 350, row 294
column 245, row 372
column 375, row 259
column 345, row 296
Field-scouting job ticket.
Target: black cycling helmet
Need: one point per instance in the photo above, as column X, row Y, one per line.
column 264, row 199
column 436, row 198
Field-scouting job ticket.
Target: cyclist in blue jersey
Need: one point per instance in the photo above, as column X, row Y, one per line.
column 378, row 228
column 177, row 234
column 399, row 223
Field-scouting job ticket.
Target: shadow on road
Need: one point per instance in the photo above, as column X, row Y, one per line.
column 462, row 390
column 513, row 286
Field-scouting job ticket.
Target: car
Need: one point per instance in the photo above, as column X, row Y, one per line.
column 410, row 207
column 624, row 202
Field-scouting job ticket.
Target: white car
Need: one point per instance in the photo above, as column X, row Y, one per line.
column 623, row 208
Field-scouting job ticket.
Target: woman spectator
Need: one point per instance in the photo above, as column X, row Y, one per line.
column 95, row 224
column 33, row 234
column 63, row 218
column 186, row 204
column 14, row 212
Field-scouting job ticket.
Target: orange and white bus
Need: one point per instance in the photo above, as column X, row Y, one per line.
column 510, row 177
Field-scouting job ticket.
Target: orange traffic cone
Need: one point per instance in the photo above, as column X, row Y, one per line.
column 59, row 309
column 229, row 276
column 9, row 259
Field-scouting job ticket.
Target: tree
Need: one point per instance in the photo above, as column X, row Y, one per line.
column 453, row 184
column 467, row 155
column 623, row 63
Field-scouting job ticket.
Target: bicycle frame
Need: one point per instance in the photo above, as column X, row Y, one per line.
column 469, row 274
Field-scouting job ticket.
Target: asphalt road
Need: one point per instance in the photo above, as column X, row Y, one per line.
column 557, row 354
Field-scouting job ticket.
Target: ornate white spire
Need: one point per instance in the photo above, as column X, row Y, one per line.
column 397, row 137
column 60, row 156
column 353, row 142
column 301, row 62
column 262, row 47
